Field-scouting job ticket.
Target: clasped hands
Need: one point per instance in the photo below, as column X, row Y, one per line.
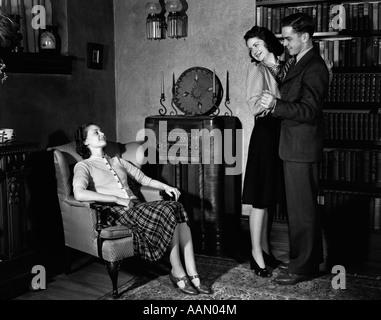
column 268, row 100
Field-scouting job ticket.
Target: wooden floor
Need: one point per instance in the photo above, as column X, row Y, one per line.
column 91, row 280
column 89, row 283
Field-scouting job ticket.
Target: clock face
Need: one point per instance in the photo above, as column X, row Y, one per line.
column 193, row 92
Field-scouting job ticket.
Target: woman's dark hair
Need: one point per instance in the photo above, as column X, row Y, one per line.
column 80, row 138
column 271, row 42
column 300, row 23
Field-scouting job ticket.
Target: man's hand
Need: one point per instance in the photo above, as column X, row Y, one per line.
column 268, row 100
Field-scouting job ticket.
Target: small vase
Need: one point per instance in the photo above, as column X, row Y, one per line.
column 49, row 41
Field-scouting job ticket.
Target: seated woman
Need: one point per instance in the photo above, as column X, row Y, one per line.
column 157, row 226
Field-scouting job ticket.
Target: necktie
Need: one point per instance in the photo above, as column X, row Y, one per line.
column 288, row 65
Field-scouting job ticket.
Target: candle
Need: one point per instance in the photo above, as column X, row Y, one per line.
column 227, row 85
column 214, row 81
column 162, row 83
column 173, row 86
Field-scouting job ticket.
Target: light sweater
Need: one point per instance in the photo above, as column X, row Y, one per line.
column 95, row 175
column 259, row 78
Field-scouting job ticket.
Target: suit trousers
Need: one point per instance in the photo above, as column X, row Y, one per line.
column 306, row 246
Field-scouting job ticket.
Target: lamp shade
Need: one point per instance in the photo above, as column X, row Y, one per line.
column 153, row 7
column 173, row 6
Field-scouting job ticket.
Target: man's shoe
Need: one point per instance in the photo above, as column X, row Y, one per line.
column 284, row 266
column 290, row 279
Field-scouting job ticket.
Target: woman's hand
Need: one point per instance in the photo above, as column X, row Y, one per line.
column 172, row 191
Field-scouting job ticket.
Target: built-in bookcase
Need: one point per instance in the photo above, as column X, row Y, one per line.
column 350, row 173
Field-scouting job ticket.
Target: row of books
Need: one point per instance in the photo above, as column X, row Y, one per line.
column 352, row 126
column 355, row 87
column 23, row 8
column 351, row 52
column 362, row 210
column 358, row 16
column 351, row 165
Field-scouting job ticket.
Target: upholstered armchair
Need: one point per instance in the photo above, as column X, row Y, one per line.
column 83, row 229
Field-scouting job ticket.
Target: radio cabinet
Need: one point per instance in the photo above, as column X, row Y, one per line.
column 196, row 154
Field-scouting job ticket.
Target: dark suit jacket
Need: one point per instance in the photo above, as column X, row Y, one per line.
column 303, row 92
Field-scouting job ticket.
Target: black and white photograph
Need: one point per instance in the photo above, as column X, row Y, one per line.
column 190, row 157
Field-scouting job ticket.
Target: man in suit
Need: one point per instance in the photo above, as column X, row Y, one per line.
column 303, row 91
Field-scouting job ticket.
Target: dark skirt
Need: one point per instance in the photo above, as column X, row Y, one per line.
column 264, row 182
column 152, row 225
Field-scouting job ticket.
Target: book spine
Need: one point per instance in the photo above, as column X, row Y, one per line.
column 360, row 9
column 319, row 17
column 325, row 16
column 375, row 16
column 336, row 53
column 258, row 21
column 377, row 214
column 365, row 24
column 378, row 166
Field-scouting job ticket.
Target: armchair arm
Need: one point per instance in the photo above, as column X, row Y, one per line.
column 107, row 233
column 75, row 203
column 116, row 232
column 153, row 194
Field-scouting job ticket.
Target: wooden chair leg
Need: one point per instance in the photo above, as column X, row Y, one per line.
column 113, row 269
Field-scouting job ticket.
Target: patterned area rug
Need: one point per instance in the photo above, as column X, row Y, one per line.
column 232, row 280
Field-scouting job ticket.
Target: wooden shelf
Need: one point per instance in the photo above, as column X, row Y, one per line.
column 317, row 34
column 352, row 105
column 361, row 187
column 283, row 2
column 352, row 144
column 38, row 63
column 354, row 69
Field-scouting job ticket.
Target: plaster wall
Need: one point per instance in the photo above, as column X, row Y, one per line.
column 48, row 108
column 215, row 41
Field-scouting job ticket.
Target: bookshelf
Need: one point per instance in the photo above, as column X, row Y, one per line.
column 350, row 173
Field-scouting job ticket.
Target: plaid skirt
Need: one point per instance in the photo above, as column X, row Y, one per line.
column 152, row 224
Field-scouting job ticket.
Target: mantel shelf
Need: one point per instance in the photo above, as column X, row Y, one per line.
column 38, row 63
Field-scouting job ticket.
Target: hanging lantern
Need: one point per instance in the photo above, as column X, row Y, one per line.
column 155, row 24
column 177, row 22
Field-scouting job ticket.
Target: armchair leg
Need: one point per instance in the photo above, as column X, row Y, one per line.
column 113, row 269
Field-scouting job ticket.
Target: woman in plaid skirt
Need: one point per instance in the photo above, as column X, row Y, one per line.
column 156, row 226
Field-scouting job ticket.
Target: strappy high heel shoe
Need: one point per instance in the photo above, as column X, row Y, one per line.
column 270, row 260
column 188, row 288
column 262, row 272
column 201, row 288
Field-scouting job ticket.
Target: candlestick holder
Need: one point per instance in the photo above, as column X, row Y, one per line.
column 230, row 113
column 163, row 111
column 173, row 107
column 216, row 109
